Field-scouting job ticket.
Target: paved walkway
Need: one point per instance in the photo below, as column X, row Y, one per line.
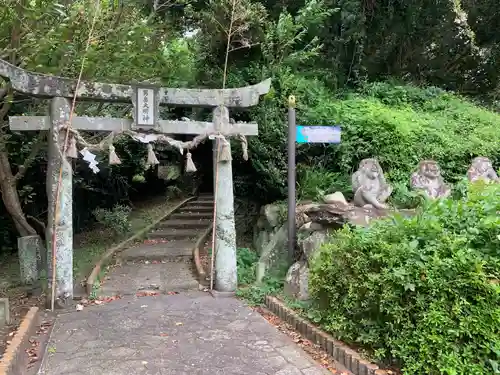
column 188, row 333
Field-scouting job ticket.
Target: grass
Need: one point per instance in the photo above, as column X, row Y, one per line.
column 254, row 293
column 90, row 245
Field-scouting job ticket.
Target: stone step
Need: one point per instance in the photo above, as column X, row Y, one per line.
column 168, row 251
column 192, row 216
column 174, row 234
column 200, row 203
column 205, row 198
column 186, row 224
column 190, row 208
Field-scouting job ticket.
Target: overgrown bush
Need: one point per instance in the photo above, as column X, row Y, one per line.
column 315, row 183
column 422, row 293
column 399, row 125
column 254, row 294
column 116, row 219
column 246, row 261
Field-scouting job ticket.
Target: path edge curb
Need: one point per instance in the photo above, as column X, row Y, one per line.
column 19, row 342
column 201, row 273
column 336, row 349
column 89, row 287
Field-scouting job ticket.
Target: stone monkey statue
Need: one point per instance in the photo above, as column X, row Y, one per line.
column 369, row 185
column 482, row 169
column 428, row 178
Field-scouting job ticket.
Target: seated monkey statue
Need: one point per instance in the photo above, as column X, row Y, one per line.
column 429, row 180
column 369, row 185
column 482, row 169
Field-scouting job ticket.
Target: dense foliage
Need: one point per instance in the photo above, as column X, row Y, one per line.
column 421, row 292
column 400, row 125
column 319, row 50
column 379, row 68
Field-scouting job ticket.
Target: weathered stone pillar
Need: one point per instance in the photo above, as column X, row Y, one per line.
column 226, row 279
column 30, row 250
column 214, row 155
column 59, row 114
column 4, row 312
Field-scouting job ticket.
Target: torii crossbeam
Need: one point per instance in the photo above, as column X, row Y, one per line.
column 146, row 100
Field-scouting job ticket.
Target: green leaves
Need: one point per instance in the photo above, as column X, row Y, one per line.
column 420, row 292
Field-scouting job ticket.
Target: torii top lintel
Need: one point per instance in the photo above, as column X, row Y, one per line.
column 42, row 85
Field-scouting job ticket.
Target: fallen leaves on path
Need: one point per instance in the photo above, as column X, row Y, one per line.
column 107, row 299
column 100, row 301
column 147, row 293
column 44, row 328
column 32, row 352
column 309, row 347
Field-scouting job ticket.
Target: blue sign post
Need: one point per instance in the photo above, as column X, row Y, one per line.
column 301, row 134
column 318, row 134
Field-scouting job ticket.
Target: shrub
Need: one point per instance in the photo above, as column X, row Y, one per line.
column 420, row 292
column 254, row 294
column 116, row 219
column 246, row 261
column 399, row 125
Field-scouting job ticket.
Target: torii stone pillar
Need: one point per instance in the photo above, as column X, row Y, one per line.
column 59, row 90
column 226, row 279
column 59, row 115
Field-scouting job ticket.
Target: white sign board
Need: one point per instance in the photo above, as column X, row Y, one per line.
column 318, row 134
column 145, row 107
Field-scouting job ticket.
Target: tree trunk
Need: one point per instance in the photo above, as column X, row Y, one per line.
column 10, row 197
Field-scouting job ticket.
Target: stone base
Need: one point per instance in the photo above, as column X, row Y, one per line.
column 59, row 303
column 4, row 311
column 217, row 294
column 30, row 251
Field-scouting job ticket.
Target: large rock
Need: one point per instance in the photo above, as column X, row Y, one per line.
column 311, row 243
column 297, row 277
column 297, row 281
column 334, row 198
column 267, row 226
column 335, row 215
column 272, row 215
column 273, row 252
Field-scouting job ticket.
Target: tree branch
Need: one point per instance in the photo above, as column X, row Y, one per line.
column 38, row 222
column 7, row 103
column 244, row 46
column 35, row 149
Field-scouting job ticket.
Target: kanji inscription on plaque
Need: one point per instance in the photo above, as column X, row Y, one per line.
column 145, row 107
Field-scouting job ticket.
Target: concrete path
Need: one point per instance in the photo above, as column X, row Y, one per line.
column 191, row 333
column 188, row 333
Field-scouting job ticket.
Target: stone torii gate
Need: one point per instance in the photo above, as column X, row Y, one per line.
column 146, row 100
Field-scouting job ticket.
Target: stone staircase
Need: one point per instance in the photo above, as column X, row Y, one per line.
column 164, row 263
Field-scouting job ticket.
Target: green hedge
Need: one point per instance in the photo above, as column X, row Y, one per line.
column 399, row 125
column 420, row 292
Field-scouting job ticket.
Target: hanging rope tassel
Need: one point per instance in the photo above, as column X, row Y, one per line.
column 244, row 146
column 113, row 157
column 152, row 160
column 72, row 151
column 225, row 153
column 190, row 167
